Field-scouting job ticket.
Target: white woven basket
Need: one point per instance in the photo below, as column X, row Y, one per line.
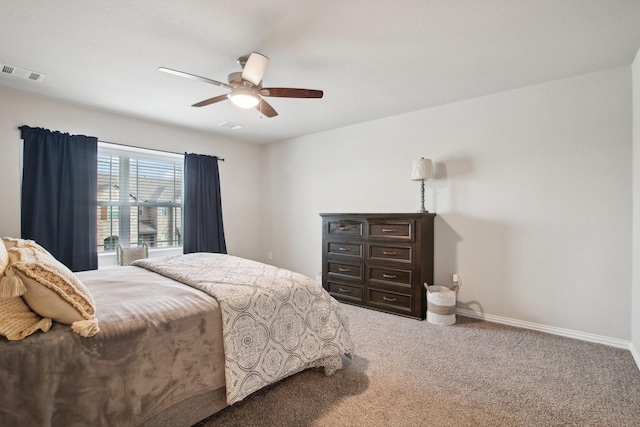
column 441, row 305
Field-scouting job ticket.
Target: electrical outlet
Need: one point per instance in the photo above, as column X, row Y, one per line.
column 455, row 278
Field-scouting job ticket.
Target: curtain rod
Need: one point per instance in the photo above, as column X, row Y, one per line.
column 154, row 149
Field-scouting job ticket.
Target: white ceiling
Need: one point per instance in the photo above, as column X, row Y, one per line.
column 372, row 58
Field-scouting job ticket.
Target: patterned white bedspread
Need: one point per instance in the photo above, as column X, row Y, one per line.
column 275, row 322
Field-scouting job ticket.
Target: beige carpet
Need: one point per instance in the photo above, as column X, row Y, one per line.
column 411, row 373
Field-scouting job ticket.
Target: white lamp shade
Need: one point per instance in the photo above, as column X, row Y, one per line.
column 422, row 169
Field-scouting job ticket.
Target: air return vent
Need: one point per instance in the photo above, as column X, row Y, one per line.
column 20, row 72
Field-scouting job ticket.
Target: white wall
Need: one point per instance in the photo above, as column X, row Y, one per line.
column 239, row 173
column 635, row 304
column 533, row 193
column 533, row 197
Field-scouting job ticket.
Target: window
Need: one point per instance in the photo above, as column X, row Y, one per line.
column 139, row 197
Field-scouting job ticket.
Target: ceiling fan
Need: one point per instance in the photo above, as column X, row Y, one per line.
column 245, row 87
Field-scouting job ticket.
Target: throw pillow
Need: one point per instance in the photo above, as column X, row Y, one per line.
column 10, row 286
column 10, row 242
column 52, row 290
column 4, row 259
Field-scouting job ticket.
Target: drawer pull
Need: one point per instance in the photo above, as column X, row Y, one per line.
column 343, row 228
column 388, row 230
column 389, row 253
column 389, row 276
column 344, row 270
column 344, row 249
column 346, row 291
column 389, row 299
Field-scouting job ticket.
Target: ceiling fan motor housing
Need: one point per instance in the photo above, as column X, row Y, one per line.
column 235, row 78
column 242, row 61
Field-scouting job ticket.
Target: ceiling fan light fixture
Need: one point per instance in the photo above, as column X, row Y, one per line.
column 244, row 98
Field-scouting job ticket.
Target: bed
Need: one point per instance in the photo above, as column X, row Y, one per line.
column 179, row 339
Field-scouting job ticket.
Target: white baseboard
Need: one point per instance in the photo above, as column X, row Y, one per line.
column 635, row 354
column 613, row 342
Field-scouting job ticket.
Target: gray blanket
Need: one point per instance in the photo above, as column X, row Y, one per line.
column 275, row 322
column 160, row 342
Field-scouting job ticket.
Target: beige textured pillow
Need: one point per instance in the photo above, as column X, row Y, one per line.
column 18, row 321
column 4, row 259
column 52, row 290
column 10, row 242
column 10, row 286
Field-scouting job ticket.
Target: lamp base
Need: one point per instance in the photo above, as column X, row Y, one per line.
column 422, row 209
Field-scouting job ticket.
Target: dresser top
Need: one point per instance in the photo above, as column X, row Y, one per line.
column 380, row 215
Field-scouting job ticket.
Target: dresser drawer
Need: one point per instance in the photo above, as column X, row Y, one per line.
column 403, row 230
column 390, row 276
column 345, row 228
column 353, row 271
column 386, row 252
column 352, row 293
column 391, row 301
column 347, row 250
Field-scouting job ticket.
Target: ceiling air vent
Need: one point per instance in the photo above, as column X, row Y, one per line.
column 21, row 73
column 230, row 125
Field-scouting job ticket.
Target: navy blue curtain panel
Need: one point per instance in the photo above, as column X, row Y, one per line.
column 203, row 230
column 59, row 195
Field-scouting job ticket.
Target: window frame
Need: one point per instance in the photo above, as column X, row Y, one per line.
column 124, row 215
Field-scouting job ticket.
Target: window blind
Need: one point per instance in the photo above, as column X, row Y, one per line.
column 139, row 197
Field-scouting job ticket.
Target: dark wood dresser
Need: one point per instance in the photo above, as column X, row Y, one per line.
column 379, row 261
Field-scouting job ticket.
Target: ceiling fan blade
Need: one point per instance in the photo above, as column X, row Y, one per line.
column 255, row 68
column 194, row 77
column 265, row 108
column 288, row 92
column 211, row 100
